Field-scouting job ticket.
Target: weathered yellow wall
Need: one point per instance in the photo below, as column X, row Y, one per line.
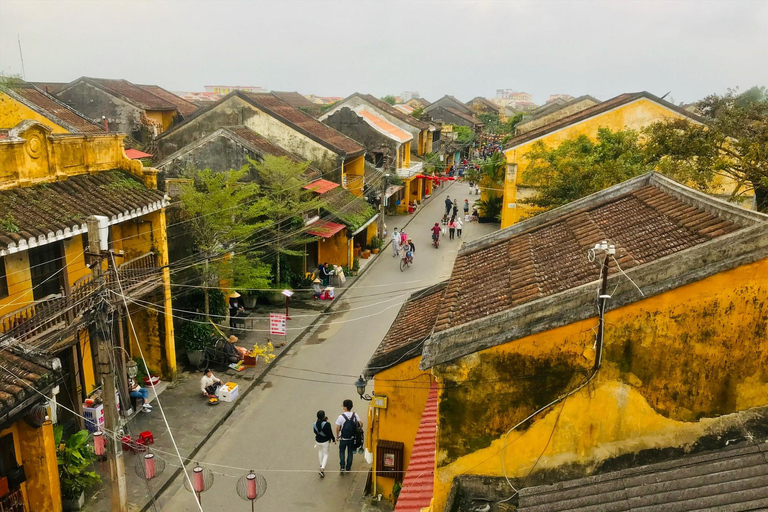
column 38, row 453
column 87, row 356
column 354, row 170
column 74, row 255
column 406, row 388
column 635, row 115
column 371, row 231
column 672, row 364
column 14, row 430
column 334, row 250
column 12, row 113
column 19, row 283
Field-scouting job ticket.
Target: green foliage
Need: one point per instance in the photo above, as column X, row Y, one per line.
column 8, row 224
column 464, row 134
column 75, row 457
column 508, row 127
column 126, row 183
column 490, row 208
column 389, row 99
column 193, row 299
column 396, row 491
column 579, row 167
column 376, row 243
column 196, row 333
column 328, row 106
column 492, row 122
column 417, row 112
column 432, row 163
column 10, row 80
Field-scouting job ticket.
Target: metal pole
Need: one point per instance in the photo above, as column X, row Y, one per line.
column 100, row 333
column 382, row 206
column 602, row 301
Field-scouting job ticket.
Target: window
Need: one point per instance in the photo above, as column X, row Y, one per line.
column 7, row 455
column 3, row 279
column 45, row 265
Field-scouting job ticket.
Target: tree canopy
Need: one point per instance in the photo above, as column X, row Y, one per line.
column 417, row 112
column 389, row 99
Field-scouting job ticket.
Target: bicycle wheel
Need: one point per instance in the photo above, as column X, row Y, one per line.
column 403, row 264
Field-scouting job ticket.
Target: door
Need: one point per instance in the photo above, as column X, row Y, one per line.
column 45, row 265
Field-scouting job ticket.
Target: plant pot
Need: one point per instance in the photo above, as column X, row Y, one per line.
column 375, row 251
column 249, row 301
column 365, row 254
column 195, row 357
column 73, row 504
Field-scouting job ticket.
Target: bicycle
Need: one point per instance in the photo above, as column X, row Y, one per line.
column 405, row 261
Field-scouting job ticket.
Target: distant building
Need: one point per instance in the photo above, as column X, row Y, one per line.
column 553, row 97
column 226, row 89
column 509, row 94
column 407, row 96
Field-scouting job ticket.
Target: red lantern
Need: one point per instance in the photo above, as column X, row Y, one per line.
column 98, row 443
column 198, row 481
column 251, row 486
column 149, row 466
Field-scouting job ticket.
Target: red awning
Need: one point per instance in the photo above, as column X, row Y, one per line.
column 321, row 186
column 135, row 154
column 325, row 229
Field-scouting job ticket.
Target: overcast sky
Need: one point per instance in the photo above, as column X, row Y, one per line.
column 466, row 48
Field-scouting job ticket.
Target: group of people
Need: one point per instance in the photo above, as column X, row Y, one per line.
column 401, row 241
column 452, row 212
column 348, row 432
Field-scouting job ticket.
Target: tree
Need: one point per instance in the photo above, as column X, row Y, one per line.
column 579, row 167
column 491, row 178
column 283, row 202
column 417, row 112
column 464, row 134
column 431, row 163
column 221, row 213
column 389, row 99
column 733, row 144
column 492, row 122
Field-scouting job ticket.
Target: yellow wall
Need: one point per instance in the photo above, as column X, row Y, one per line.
column 86, row 354
column 38, row 453
column 14, row 430
column 673, row 364
column 406, row 388
column 355, row 170
column 334, row 250
column 19, row 283
column 635, row 115
column 164, row 118
column 12, row 113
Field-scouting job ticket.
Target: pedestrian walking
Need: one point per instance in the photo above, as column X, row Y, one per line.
column 459, row 225
column 455, row 207
column 403, row 238
column 448, row 205
column 323, row 439
column 466, row 207
column 395, row 243
column 346, row 428
column 451, row 228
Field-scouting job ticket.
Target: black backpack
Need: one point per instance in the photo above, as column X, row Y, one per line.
column 349, row 428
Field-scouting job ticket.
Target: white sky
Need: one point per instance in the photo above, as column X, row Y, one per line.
column 334, row 48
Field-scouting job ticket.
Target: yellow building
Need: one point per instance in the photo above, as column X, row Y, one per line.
column 635, row 111
column 684, row 357
column 49, row 185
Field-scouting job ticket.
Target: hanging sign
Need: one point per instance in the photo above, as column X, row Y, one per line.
column 277, row 323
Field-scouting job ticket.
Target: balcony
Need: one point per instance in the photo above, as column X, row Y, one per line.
column 436, row 146
column 33, row 326
column 413, row 170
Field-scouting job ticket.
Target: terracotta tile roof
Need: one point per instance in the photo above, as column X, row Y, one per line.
column 413, row 324
column 297, row 100
column 325, row 229
column 50, row 107
column 19, row 378
column 555, row 105
column 132, row 93
column 464, row 116
column 424, row 102
column 49, row 87
column 646, row 224
column 36, row 211
column 593, row 111
column 383, row 126
column 732, row 478
column 419, row 482
column 185, row 108
column 389, row 109
column 304, row 123
column 321, row 186
column 484, row 102
column 348, row 208
column 261, row 144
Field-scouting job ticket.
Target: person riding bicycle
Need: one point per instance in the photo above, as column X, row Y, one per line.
column 409, row 250
column 436, row 231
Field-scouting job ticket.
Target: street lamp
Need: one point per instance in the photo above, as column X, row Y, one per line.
column 132, row 368
column 360, row 385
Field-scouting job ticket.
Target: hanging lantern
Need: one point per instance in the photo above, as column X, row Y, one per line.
column 149, row 466
column 251, row 487
column 98, row 443
column 202, row 480
column 198, row 481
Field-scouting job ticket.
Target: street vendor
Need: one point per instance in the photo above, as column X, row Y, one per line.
column 209, row 384
column 233, row 352
column 316, row 288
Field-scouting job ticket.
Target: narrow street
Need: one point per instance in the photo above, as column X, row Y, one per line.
column 271, row 431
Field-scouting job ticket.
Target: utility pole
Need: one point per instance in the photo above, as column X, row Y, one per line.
column 382, row 206
column 608, row 251
column 100, row 333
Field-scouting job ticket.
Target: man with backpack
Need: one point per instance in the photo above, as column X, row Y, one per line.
column 347, row 427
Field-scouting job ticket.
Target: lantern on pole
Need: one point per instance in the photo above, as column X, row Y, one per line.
column 202, row 480
column 98, row 443
column 251, row 487
column 148, row 468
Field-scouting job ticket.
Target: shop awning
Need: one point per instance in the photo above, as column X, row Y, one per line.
column 135, row 154
column 321, row 186
column 325, row 229
column 366, row 224
column 392, row 189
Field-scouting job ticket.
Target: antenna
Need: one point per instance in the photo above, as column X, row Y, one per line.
column 23, row 72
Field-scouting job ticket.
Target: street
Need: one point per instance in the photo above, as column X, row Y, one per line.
column 272, row 431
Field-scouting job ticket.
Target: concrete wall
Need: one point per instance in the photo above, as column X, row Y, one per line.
column 673, row 363
column 219, row 155
column 349, row 123
column 94, row 103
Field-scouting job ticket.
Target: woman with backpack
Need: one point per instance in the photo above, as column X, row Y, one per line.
column 323, row 438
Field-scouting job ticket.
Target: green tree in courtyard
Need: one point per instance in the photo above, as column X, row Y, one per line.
column 492, row 122
column 283, row 201
column 417, row 112
column 431, row 163
column 464, row 134
column 491, row 179
column 220, row 213
column 732, row 144
column 389, row 99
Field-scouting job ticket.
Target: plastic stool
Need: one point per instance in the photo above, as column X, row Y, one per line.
column 147, row 438
column 127, row 443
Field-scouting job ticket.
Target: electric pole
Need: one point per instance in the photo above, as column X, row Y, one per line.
column 608, row 251
column 100, row 333
column 382, row 206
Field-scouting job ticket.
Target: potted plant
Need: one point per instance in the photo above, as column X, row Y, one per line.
column 196, row 336
column 75, row 457
column 376, row 244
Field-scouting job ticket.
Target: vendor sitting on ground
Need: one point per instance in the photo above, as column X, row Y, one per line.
column 209, row 384
column 232, row 351
column 317, row 290
column 140, row 394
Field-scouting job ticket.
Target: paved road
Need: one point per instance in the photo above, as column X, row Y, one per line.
column 271, row 431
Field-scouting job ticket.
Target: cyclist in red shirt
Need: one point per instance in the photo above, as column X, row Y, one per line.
column 436, row 232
